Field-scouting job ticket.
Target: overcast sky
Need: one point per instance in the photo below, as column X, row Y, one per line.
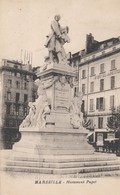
column 24, row 24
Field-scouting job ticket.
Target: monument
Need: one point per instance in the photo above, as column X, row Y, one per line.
column 53, row 131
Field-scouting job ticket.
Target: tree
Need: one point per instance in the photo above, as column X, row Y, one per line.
column 113, row 122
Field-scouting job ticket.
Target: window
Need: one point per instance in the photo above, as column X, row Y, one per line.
column 9, row 123
column 14, row 110
column 92, row 87
column 83, row 88
column 112, row 82
column 114, row 48
column 83, row 106
column 83, row 74
column 100, row 103
column 8, row 109
column 92, row 71
column 9, row 73
column 100, row 122
column 91, row 105
column 17, row 97
column 76, row 90
column 77, row 62
column 17, row 84
column 8, row 95
column 112, row 101
column 74, row 63
column 25, row 85
column 25, row 111
column 9, row 83
column 15, row 66
column 25, row 77
column 17, row 74
column 112, row 64
column 17, row 109
column 101, row 84
column 101, row 68
column 25, row 97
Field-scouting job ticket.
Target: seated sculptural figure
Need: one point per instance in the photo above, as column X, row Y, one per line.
column 30, row 117
column 39, row 108
column 55, row 41
column 41, row 105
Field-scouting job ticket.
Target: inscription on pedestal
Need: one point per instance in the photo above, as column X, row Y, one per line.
column 62, row 96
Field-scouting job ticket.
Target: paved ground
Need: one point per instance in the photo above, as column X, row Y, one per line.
column 29, row 184
column 38, row 184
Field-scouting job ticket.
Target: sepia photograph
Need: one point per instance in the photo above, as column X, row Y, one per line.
column 59, row 97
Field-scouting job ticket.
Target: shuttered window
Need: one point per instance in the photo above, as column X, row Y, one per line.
column 101, row 84
column 100, row 103
column 112, row 101
column 112, row 82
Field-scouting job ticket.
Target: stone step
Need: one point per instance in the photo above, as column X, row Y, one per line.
column 63, row 158
column 64, row 151
column 63, row 170
column 61, row 165
column 55, row 151
column 57, row 144
column 96, row 174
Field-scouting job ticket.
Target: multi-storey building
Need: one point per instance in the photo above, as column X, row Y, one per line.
column 99, row 73
column 16, row 90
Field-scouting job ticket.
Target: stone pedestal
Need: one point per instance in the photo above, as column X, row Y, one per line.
column 58, row 138
column 35, row 143
column 61, row 92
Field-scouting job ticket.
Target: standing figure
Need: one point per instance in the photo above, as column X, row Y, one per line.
column 55, row 41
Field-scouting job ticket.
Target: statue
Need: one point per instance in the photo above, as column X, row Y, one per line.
column 55, row 41
column 41, row 106
column 76, row 116
column 30, row 117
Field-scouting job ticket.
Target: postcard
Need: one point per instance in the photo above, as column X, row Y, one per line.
column 59, row 97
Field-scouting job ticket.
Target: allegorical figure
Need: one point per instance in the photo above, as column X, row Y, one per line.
column 55, row 41
column 76, row 116
column 41, row 106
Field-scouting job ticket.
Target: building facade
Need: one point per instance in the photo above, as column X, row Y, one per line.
column 99, row 80
column 98, row 72
column 17, row 89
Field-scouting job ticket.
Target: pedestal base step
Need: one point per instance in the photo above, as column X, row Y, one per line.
column 60, row 165
column 62, row 171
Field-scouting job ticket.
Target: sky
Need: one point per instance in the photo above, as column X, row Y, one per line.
column 24, row 24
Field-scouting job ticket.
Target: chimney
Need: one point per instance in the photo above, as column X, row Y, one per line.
column 89, row 43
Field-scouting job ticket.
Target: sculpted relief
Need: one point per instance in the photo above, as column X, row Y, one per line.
column 41, row 107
